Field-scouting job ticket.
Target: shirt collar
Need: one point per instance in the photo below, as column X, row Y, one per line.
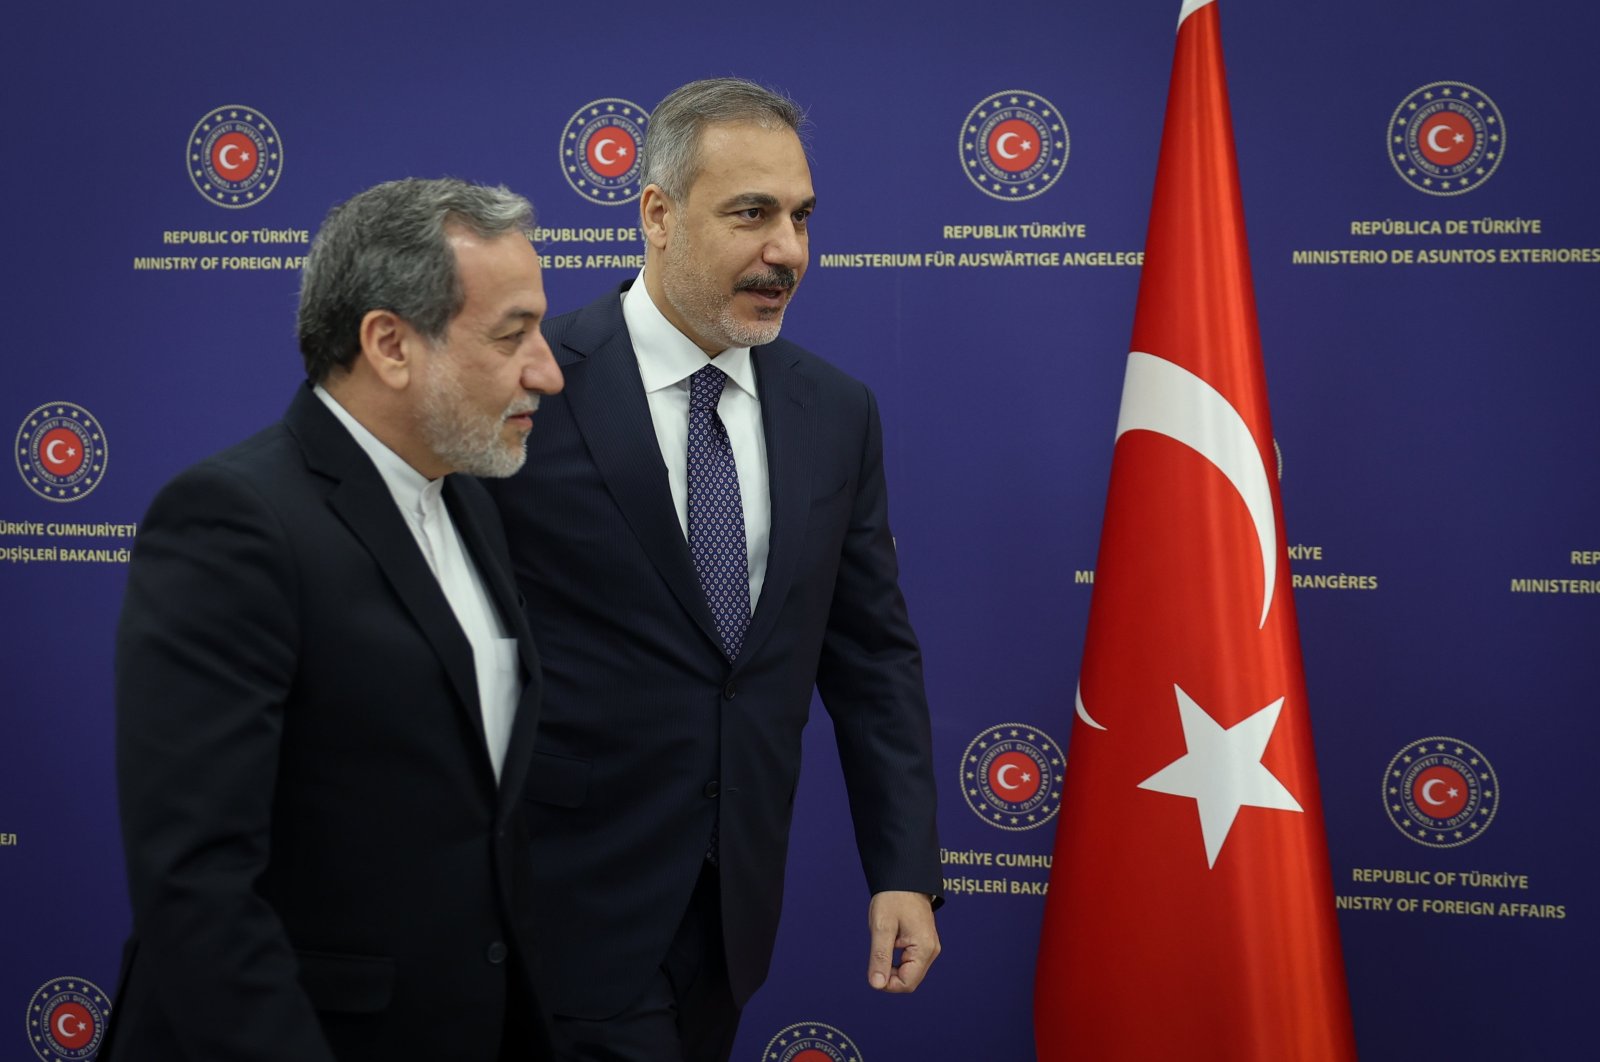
column 666, row 356
column 413, row 492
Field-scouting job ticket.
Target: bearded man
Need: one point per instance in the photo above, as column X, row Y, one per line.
column 702, row 535
column 326, row 689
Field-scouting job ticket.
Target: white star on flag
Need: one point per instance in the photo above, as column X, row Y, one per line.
column 1222, row 770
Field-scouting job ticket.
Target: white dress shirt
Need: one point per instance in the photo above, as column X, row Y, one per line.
column 421, row 501
column 667, row 358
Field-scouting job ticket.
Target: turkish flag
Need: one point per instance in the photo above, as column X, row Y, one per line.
column 1191, row 912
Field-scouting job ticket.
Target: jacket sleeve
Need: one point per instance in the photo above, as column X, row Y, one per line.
column 205, row 663
column 870, row 679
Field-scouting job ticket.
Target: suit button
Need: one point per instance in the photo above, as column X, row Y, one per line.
column 496, row 953
column 711, row 788
column 729, row 691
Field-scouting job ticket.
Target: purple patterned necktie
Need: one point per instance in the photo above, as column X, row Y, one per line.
column 716, row 515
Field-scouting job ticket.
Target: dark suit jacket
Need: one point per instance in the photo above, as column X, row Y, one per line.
column 646, row 728
column 320, row 861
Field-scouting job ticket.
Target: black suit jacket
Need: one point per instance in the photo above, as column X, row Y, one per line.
column 646, row 727
column 320, row 860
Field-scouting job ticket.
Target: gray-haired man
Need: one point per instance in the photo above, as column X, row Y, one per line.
column 326, row 690
column 702, row 534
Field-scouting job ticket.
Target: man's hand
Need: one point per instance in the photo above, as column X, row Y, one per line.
column 900, row 921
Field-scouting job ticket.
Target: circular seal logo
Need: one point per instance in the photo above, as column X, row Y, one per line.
column 1011, row 776
column 61, row 451
column 1440, row 792
column 235, row 157
column 1014, row 145
column 810, row 1041
column 600, row 149
column 1446, row 138
column 67, row 1019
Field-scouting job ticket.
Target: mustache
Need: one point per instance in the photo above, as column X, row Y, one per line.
column 781, row 278
column 525, row 404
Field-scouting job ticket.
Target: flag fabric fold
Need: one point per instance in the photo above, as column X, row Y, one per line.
column 1190, row 913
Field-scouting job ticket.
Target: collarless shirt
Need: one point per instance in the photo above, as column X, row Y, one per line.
column 421, row 502
column 667, row 358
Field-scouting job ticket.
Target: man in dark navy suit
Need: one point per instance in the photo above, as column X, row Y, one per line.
column 702, row 535
column 326, row 688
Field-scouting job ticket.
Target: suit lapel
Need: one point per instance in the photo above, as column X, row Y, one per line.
column 502, row 591
column 787, row 422
column 366, row 507
column 607, row 400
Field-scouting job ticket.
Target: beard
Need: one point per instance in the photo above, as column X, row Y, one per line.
column 466, row 440
column 693, row 293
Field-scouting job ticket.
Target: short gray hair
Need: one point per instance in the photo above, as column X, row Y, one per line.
column 672, row 138
column 386, row 249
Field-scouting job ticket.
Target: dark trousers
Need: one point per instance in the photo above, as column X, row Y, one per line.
column 685, row 1014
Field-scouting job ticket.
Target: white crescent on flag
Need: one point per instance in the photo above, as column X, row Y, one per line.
column 1168, row 399
column 1160, row 396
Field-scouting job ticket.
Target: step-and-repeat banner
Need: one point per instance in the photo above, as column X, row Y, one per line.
column 1418, row 181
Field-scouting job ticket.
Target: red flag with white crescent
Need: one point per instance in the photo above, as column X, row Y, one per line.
column 1191, row 912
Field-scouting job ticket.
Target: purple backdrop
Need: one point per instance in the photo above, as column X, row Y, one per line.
column 1436, row 421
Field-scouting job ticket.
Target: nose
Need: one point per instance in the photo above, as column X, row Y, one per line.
column 787, row 247
column 541, row 374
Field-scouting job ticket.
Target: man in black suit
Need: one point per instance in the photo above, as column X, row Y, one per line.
column 326, row 689
column 696, row 466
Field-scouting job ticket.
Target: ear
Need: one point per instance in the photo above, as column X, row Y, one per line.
column 656, row 216
column 389, row 346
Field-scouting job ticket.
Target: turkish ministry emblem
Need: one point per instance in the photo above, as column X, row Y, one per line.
column 234, row 157
column 810, row 1041
column 61, row 451
column 601, row 146
column 1011, row 776
column 1014, row 145
column 1440, row 792
column 1446, row 138
column 67, row 1019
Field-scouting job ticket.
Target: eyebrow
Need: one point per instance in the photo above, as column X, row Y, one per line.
column 509, row 316
column 763, row 199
